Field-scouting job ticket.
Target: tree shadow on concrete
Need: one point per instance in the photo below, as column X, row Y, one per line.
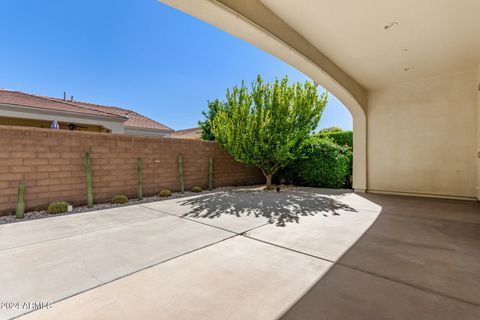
column 279, row 208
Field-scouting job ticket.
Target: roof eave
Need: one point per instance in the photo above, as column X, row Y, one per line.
column 36, row 110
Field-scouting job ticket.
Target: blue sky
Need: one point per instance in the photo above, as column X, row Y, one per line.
column 140, row 55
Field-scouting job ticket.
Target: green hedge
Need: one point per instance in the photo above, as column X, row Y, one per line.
column 344, row 138
column 323, row 164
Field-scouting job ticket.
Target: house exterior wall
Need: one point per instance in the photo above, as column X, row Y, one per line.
column 4, row 121
column 478, row 132
column 145, row 132
column 422, row 137
column 50, row 115
column 51, row 163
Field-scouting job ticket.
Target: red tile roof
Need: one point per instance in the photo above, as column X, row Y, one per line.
column 133, row 119
column 29, row 100
column 192, row 133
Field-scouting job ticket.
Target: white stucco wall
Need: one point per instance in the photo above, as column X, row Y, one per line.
column 422, row 137
column 478, row 132
column 50, row 115
column 145, row 132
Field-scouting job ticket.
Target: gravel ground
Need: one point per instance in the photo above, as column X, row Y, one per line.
column 100, row 206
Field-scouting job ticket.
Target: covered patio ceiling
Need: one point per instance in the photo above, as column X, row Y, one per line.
column 381, row 43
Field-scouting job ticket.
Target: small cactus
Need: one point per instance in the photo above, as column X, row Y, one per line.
column 180, row 173
column 58, row 207
column 197, row 189
column 19, row 213
column 210, row 174
column 139, row 174
column 88, row 172
column 120, row 199
column 165, row 193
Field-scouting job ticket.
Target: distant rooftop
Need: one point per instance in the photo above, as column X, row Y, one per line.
column 132, row 119
column 192, row 133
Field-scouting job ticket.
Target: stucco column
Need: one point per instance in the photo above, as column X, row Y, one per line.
column 359, row 152
column 478, row 133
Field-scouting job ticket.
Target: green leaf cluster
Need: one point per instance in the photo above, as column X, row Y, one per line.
column 323, row 163
column 206, row 126
column 267, row 125
column 343, row 138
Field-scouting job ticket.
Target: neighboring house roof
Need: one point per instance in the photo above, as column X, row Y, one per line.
column 24, row 99
column 135, row 120
column 131, row 119
column 192, row 133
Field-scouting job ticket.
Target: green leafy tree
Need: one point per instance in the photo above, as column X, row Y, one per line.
column 343, row 138
column 267, row 126
column 330, row 130
column 206, row 126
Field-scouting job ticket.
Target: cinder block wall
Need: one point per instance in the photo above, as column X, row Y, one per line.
column 52, row 165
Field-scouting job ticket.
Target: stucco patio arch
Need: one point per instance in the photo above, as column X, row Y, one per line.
column 253, row 22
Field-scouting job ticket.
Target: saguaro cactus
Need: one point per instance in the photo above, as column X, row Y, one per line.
column 180, row 172
column 210, row 174
column 19, row 213
column 88, row 172
column 140, row 181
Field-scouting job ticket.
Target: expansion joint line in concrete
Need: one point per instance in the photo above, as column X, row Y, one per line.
column 206, row 224
column 134, row 272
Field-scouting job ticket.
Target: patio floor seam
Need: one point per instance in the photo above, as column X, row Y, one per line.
column 287, row 248
column 132, row 273
column 79, row 233
column 409, row 285
column 367, row 272
column 208, row 225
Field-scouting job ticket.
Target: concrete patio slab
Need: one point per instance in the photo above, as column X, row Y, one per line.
column 34, row 231
column 435, row 254
column 327, row 235
column 429, row 208
column 407, row 262
column 240, row 211
column 227, row 222
column 237, row 278
column 360, row 202
column 347, row 294
column 56, row 269
column 172, row 206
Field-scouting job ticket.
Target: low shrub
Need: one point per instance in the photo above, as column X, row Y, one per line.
column 58, row 207
column 323, row 163
column 120, row 199
column 197, row 189
column 343, row 138
column 165, row 193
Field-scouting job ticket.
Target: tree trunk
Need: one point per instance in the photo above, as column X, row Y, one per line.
column 269, row 182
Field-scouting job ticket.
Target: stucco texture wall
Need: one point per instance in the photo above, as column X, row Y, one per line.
column 422, row 137
column 52, row 165
column 478, row 132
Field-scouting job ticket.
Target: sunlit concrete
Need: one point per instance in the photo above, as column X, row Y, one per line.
column 255, row 208
column 237, row 279
column 35, row 231
column 49, row 269
column 312, row 255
